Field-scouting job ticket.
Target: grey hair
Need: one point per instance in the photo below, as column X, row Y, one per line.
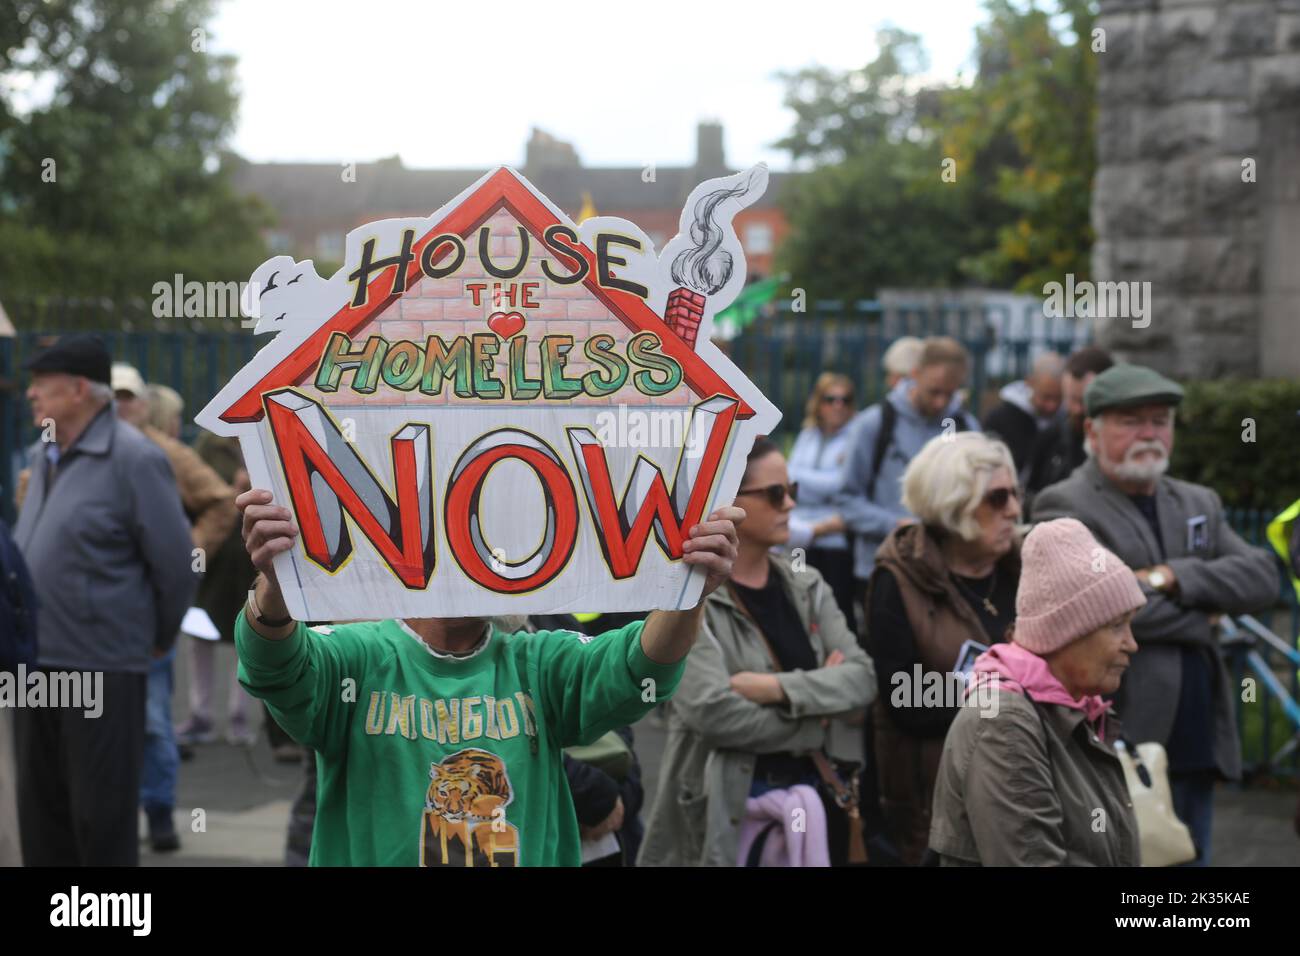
column 901, row 357
column 946, row 481
column 165, row 407
column 102, row 392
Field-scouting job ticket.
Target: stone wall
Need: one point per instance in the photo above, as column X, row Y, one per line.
column 1189, row 91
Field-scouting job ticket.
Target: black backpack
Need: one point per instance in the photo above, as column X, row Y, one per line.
column 17, row 606
column 884, row 437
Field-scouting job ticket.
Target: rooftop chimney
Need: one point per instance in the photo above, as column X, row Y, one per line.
column 709, row 158
column 544, row 151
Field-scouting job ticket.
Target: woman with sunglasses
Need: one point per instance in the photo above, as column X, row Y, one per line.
column 764, row 730
column 939, row 582
column 817, row 466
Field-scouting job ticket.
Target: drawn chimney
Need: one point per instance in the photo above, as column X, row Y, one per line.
column 684, row 313
column 705, row 267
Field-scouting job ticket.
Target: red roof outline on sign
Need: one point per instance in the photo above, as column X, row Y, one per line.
column 502, row 190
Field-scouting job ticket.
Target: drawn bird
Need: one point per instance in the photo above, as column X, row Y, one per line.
column 288, row 297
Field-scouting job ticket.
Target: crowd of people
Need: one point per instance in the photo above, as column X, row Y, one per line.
column 890, row 665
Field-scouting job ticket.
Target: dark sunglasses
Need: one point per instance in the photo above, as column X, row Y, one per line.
column 837, row 400
column 775, row 493
column 998, row 497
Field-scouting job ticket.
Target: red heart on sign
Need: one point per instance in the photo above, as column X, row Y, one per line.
column 506, row 324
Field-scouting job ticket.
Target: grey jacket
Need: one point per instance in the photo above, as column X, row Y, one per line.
column 109, row 549
column 1031, row 787
column 872, row 514
column 715, row 733
column 1220, row 574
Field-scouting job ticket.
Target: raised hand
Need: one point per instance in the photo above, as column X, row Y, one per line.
column 268, row 529
column 713, row 544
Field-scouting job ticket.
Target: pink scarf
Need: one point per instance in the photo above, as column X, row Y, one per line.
column 1031, row 675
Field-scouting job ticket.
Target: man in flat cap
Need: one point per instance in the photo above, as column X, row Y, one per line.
column 108, row 545
column 1192, row 566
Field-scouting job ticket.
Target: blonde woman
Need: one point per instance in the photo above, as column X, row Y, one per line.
column 948, row 578
column 817, row 470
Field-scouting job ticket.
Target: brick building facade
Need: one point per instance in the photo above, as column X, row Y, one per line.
column 315, row 207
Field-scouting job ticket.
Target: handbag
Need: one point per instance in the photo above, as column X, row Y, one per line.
column 1165, row 839
column 844, row 794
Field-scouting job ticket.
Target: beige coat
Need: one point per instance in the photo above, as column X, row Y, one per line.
column 208, row 500
column 714, row 733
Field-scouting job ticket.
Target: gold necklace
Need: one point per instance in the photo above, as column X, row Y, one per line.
column 993, row 583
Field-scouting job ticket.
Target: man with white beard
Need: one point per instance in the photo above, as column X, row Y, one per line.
column 1193, row 568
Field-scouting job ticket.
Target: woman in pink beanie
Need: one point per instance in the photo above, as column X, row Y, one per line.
column 1029, row 776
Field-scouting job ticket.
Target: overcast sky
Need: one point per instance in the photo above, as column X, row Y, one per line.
column 447, row 84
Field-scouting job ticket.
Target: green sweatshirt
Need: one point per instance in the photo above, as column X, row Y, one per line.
column 433, row 761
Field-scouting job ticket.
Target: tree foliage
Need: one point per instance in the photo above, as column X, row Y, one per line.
column 913, row 184
column 1239, row 437
column 1036, row 87
column 120, row 163
column 861, row 217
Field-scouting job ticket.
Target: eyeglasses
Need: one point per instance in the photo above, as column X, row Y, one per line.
column 998, row 497
column 775, row 493
column 836, row 400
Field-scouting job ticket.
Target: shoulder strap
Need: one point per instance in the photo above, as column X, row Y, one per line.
column 884, row 438
column 1139, row 766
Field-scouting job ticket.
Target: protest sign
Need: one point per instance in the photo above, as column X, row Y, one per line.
column 496, row 410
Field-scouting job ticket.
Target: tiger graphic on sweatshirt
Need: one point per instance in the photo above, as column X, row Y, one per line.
column 464, row 820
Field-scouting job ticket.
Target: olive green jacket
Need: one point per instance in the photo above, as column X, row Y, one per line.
column 1026, row 786
column 715, row 733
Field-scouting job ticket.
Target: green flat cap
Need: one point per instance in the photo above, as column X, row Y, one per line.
column 1128, row 386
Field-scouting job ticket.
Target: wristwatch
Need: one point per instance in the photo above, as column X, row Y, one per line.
column 1158, row 580
column 256, row 612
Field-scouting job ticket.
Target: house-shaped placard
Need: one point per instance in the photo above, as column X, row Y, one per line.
column 494, row 410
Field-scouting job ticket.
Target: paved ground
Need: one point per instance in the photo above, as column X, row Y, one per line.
column 241, row 797
column 232, row 802
column 245, row 798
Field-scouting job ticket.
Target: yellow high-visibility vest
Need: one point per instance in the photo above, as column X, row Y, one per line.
column 1279, row 536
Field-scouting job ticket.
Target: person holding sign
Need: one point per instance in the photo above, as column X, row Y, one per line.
column 440, row 740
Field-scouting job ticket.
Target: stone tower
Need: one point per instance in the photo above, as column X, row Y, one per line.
column 1198, row 182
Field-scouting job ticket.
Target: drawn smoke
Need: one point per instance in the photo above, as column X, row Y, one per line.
column 706, row 266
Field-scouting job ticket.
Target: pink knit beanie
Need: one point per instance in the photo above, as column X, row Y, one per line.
column 1069, row 586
